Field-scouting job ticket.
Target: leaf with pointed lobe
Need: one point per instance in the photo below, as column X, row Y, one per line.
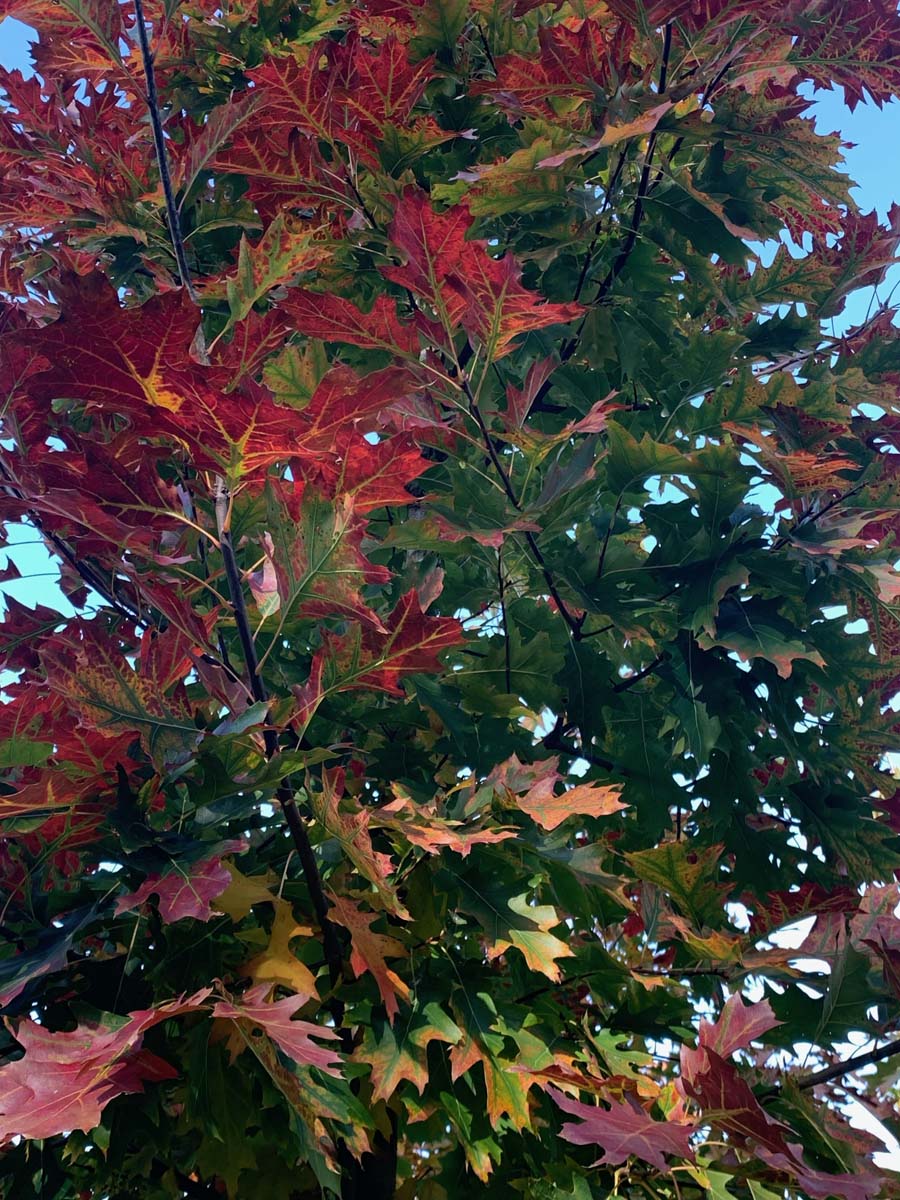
column 783, row 907
column 624, row 1129
column 461, row 282
column 274, row 1017
column 293, row 374
column 525, row 926
column 689, row 875
column 315, row 560
column 642, row 124
column 182, row 893
column 369, row 951
column 575, row 60
column 506, row 1091
column 394, row 1061
column 497, row 307
column 278, row 964
column 386, row 85
column 820, row 1185
column 243, row 892
column 282, row 252
column 410, row 645
column 335, row 319
column 736, row 1027
column 752, row 630
column 105, row 356
column 344, row 400
column 49, row 954
column 345, row 820
column 66, row 1078
column 205, row 142
column 370, row 475
column 727, row 1099
column 423, row 826
column 549, row 809
column 93, row 676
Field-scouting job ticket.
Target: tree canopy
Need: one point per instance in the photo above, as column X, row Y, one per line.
column 457, row 763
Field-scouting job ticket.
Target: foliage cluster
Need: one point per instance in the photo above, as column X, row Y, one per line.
column 481, row 623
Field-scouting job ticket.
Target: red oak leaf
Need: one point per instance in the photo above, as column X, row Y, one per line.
column 334, row 319
column 410, row 645
column 782, row 907
column 461, row 281
column 385, row 85
column 820, row 1185
column 274, row 1018
column 738, row 1025
column 184, row 893
column 728, row 1100
column 345, row 820
column 369, row 951
column 372, row 475
column 539, row 782
column 577, row 58
column 623, row 1129
column 548, row 809
column 66, row 1079
column 423, row 826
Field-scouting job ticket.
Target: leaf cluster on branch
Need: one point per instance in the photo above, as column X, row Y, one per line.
column 477, row 625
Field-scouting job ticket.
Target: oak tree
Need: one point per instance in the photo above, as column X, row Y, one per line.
column 457, row 762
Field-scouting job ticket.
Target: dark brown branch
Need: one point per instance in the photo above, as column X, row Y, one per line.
column 487, row 47
column 838, row 1070
column 608, row 535
column 637, row 214
column 159, row 141
column 285, row 793
column 808, row 517
column 569, row 347
column 190, row 511
column 507, row 649
column 639, row 675
column 92, row 578
column 555, row 741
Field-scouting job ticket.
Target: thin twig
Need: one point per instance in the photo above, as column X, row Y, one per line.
column 507, row 649
column 159, row 141
column 638, row 212
column 809, row 517
column 569, row 347
column 285, row 793
column 574, row 623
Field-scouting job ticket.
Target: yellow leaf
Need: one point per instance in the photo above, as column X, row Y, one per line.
column 278, row 964
column 243, row 892
column 612, row 135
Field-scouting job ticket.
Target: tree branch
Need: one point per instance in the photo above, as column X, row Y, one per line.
column 285, row 793
column 574, row 623
column 159, row 141
column 838, row 1070
column 507, row 655
column 639, row 675
column 554, row 741
column 569, row 347
column 643, row 185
